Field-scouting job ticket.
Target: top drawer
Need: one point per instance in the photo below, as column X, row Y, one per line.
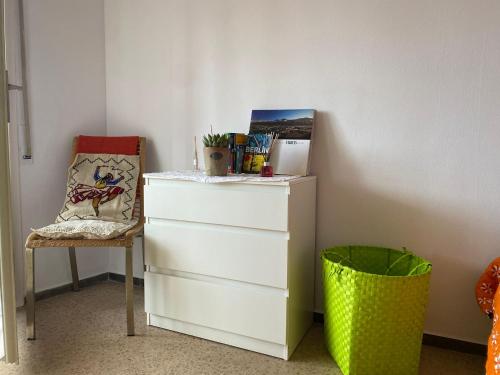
column 242, row 205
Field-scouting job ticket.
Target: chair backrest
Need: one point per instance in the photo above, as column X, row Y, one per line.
column 141, row 151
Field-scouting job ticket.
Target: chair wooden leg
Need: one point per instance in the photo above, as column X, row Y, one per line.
column 129, row 290
column 30, row 293
column 74, row 268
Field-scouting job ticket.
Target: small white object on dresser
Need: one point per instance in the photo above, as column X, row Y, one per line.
column 231, row 262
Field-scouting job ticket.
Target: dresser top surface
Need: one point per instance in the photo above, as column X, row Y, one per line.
column 234, row 179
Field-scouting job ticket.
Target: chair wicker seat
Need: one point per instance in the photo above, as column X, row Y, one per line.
column 35, row 241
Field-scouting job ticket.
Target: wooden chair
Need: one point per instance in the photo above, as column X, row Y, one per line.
column 35, row 241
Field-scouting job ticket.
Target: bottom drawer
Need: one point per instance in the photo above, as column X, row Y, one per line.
column 254, row 312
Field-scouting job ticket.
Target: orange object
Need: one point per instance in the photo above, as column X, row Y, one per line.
column 488, row 299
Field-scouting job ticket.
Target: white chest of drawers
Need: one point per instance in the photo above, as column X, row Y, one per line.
column 232, row 262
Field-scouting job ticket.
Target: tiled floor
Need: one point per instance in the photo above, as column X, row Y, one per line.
column 84, row 333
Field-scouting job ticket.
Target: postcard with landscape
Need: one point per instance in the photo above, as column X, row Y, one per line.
column 295, row 128
column 288, row 123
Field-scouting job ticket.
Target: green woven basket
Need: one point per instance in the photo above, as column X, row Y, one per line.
column 374, row 301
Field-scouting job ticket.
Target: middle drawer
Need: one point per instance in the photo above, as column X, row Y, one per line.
column 242, row 254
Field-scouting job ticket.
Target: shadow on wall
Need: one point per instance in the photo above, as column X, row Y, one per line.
column 152, row 161
column 349, row 211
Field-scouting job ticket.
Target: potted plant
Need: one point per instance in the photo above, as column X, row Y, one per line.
column 216, row 154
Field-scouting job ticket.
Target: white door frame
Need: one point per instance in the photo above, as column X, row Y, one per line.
column 15, row 198
column 16, row 127
column 6, row 249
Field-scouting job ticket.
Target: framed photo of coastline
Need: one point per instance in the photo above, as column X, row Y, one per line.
column 292, row 152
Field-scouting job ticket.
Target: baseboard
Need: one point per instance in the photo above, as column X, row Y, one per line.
column 318, row 317
column 89, row 281
column 121, row 279
column 454, row 344
column 68, row 287
column 438, row 341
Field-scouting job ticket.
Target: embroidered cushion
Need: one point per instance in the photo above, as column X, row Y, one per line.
column 88, row 229
column 101, row 186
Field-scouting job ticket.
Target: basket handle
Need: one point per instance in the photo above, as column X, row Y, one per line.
column 427, row 264
column 405, row 255
column 340, row 261
column 414, row 269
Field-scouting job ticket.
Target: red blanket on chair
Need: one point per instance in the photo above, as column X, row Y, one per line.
column 107, row 145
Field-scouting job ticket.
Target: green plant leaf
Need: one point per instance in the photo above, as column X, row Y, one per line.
column 215, row 140
column 205, row 141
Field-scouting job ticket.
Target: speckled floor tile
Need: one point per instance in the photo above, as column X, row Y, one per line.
column 84, row 333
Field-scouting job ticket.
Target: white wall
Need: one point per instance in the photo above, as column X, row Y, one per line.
column 408, row 146
column 66, row 74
